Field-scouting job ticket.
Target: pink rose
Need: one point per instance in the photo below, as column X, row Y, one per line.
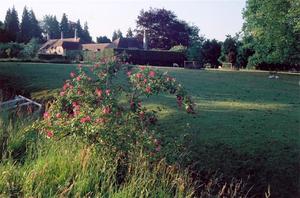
column 46, row 115
column 139, row 75
column 99, row 92
column 72, row 74
column 85, row 119
column 152, row 74
column 106, row 110
column 58, row 115
column 148, row 89
column 49, row 134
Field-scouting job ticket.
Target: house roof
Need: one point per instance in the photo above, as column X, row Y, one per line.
column 96, row 46
column 66, row 43
column 127, row 43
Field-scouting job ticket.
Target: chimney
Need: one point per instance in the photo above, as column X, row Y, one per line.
column 75, row 35
column 145, row 41
column 61, row 35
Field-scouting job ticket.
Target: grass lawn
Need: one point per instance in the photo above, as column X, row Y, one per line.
column 246, row 124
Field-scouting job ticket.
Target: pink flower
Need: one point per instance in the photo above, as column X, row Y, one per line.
column 152, row 74
column 140, row 104
column 148, row 89
column 46, row 115
column 142, row 67
column 66, row 86
column 132, row 104
column 58, row 115
column 78, row 78
column 74, row 104
column 145, row 80
column 129, row 73
column 72, row 74
column 79, row 66
column 99, row 92
column 168, row 79
column 62, row 93
column 158, row 148
column 79, row 92
column 179, row 101
column 85, row 119
column 49, row 134
column 106, row 110
column 107, row 91
column 139, row 75
column 156, row 141
column 142, row 115
column 100, row 120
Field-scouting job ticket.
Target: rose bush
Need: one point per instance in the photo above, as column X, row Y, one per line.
column 91, row 108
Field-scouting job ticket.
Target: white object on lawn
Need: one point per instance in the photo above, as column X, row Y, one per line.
column 19, row 101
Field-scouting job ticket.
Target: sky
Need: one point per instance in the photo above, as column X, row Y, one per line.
column 215, row 18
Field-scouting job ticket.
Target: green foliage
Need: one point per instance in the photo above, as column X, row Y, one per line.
column 25, row 27
column 11, row 24
column 11, row 50
column 229, row 50
column 91, row 111
column 51, row 27
column 64, row 26
column 129, row 33
column 152, row 57
column 179, row 48
column 30, row 49
column 103, row 39
column 273, row 25
column 164, row 23
column 210, row 52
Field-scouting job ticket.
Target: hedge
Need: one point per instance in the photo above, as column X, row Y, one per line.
column 152, row 57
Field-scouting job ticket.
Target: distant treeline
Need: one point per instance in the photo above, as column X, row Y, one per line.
column 13, row 30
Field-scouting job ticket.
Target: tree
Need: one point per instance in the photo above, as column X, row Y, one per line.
column 11, row 24
column 164, row 30
column 114, row 36
column 25, row 27
column 50, row 26
column 274, row 27
column 210, row 52
column 119, row 33
column 3, row 34
column 103, row 39
column 229, row 50
column 129, row 33
column 79, row 30
column 86, row 37
column 36, row 31
column 64, row 26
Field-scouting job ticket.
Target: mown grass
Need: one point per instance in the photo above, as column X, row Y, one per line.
column 246, row 125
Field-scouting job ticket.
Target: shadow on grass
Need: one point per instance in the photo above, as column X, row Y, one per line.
column 256, row 142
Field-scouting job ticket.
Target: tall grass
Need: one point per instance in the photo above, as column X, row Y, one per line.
column 69, row 168
column 35, row 167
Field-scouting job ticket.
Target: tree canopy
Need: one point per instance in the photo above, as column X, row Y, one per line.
column 11, row 24
column 274, row 27
column 164, row 29
column 103, row 39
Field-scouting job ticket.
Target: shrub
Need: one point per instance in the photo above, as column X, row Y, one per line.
column 178, row 48
column 11, row 50
column 91, row 109
column 31, row 49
